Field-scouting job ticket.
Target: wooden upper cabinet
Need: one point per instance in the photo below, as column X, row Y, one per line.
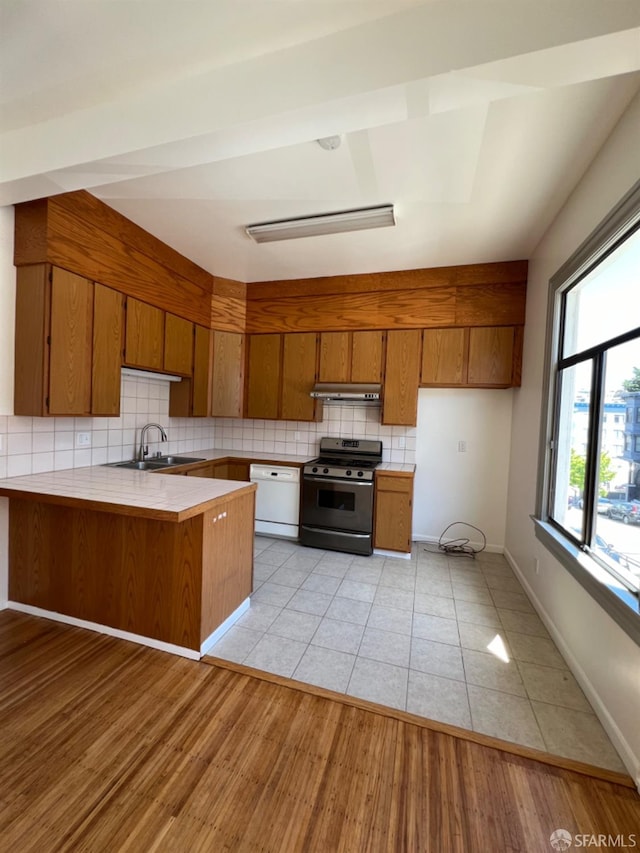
column 335, row 357
column 476, row 357
column 263, row 376
column 227, row 377
column 201, row 401
column 351, row 357
column 144, row 336
column 402, row 374
column 70, row 360
column 108, row 337
column 444, row 356
column 491, row 356
column 178, row 345
column 299, row 370
column 191, row 396
column 366, row 357
column 68, row 345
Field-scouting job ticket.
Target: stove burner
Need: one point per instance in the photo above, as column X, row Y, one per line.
column 336, row 462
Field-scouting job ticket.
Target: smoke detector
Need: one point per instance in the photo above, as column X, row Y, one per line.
column 329, row 143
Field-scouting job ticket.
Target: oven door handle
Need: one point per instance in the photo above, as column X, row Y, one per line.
column 310, row 479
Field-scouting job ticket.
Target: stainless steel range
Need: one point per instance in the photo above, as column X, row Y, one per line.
column 337, row 495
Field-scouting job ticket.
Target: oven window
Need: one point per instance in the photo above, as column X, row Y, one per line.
column 335, row 499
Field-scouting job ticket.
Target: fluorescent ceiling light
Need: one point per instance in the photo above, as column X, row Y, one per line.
column 323, row 223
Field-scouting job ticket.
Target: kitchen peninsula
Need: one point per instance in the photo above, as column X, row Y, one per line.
column 159, row 559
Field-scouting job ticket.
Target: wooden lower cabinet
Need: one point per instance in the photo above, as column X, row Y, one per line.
column 167, row 580
column 208, row 469
column 225, row 469
column 393, row 511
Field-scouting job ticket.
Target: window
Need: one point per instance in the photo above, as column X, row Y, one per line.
column 589, row 474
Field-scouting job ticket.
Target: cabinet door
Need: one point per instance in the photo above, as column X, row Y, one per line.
column 201, row 372
column 71, row 343
column 402, row 372
column 31, row 379
column 444, row 356
column 238, row 470
column 263, row 385
column 335, row 357
column 298, row 376
column 178, row 345
column 207, row 470
column 366, row 357
column 227, row 378
column 108, row 328
column 394, row 498
column 491, row 356
column 144, row 344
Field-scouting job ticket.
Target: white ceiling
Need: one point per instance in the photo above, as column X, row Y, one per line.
column 195, row 118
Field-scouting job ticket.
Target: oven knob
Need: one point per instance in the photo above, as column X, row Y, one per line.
column 348, row 473
column 325, row 471
column 359, row 473
column 314, row 470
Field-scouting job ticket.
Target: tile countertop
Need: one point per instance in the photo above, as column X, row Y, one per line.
column 140, row 493
column 146, row 493
column 283, row 458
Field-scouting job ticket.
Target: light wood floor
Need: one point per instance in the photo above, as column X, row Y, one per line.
column 108, row 746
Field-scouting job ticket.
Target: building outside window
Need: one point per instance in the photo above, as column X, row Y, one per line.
column 589, row 471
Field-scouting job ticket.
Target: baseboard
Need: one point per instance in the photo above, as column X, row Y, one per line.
column 222, row 629
column 381, row 552
column 192, row 654
column 491, row 549
column 629, row 758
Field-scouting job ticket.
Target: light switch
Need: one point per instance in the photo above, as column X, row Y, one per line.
column 462, row 447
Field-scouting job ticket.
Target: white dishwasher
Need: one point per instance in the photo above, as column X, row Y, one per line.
column 277, row 499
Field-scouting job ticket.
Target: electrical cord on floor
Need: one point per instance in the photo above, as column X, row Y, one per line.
column 459, row 547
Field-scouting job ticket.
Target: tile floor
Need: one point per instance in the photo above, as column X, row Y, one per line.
column 449, row 638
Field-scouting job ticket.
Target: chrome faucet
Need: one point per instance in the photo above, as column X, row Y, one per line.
column 143, row 449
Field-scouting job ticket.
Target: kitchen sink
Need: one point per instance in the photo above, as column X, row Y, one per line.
column 156, row 463
column 176, row 460
column 140, row 466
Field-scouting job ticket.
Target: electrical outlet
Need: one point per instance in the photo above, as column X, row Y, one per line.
column 297, row 436
column 402, row 443
column 462, row 447
column 83, row 439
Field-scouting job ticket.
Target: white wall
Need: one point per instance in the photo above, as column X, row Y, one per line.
column 468, row 486
column 603, row 657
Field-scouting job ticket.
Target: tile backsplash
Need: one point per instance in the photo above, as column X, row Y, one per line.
column 30, row 445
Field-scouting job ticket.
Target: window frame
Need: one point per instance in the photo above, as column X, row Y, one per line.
column 573, row 555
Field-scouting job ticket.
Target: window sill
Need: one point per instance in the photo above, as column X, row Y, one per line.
column 611, row 595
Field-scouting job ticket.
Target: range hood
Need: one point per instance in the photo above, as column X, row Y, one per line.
column 346, row 392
